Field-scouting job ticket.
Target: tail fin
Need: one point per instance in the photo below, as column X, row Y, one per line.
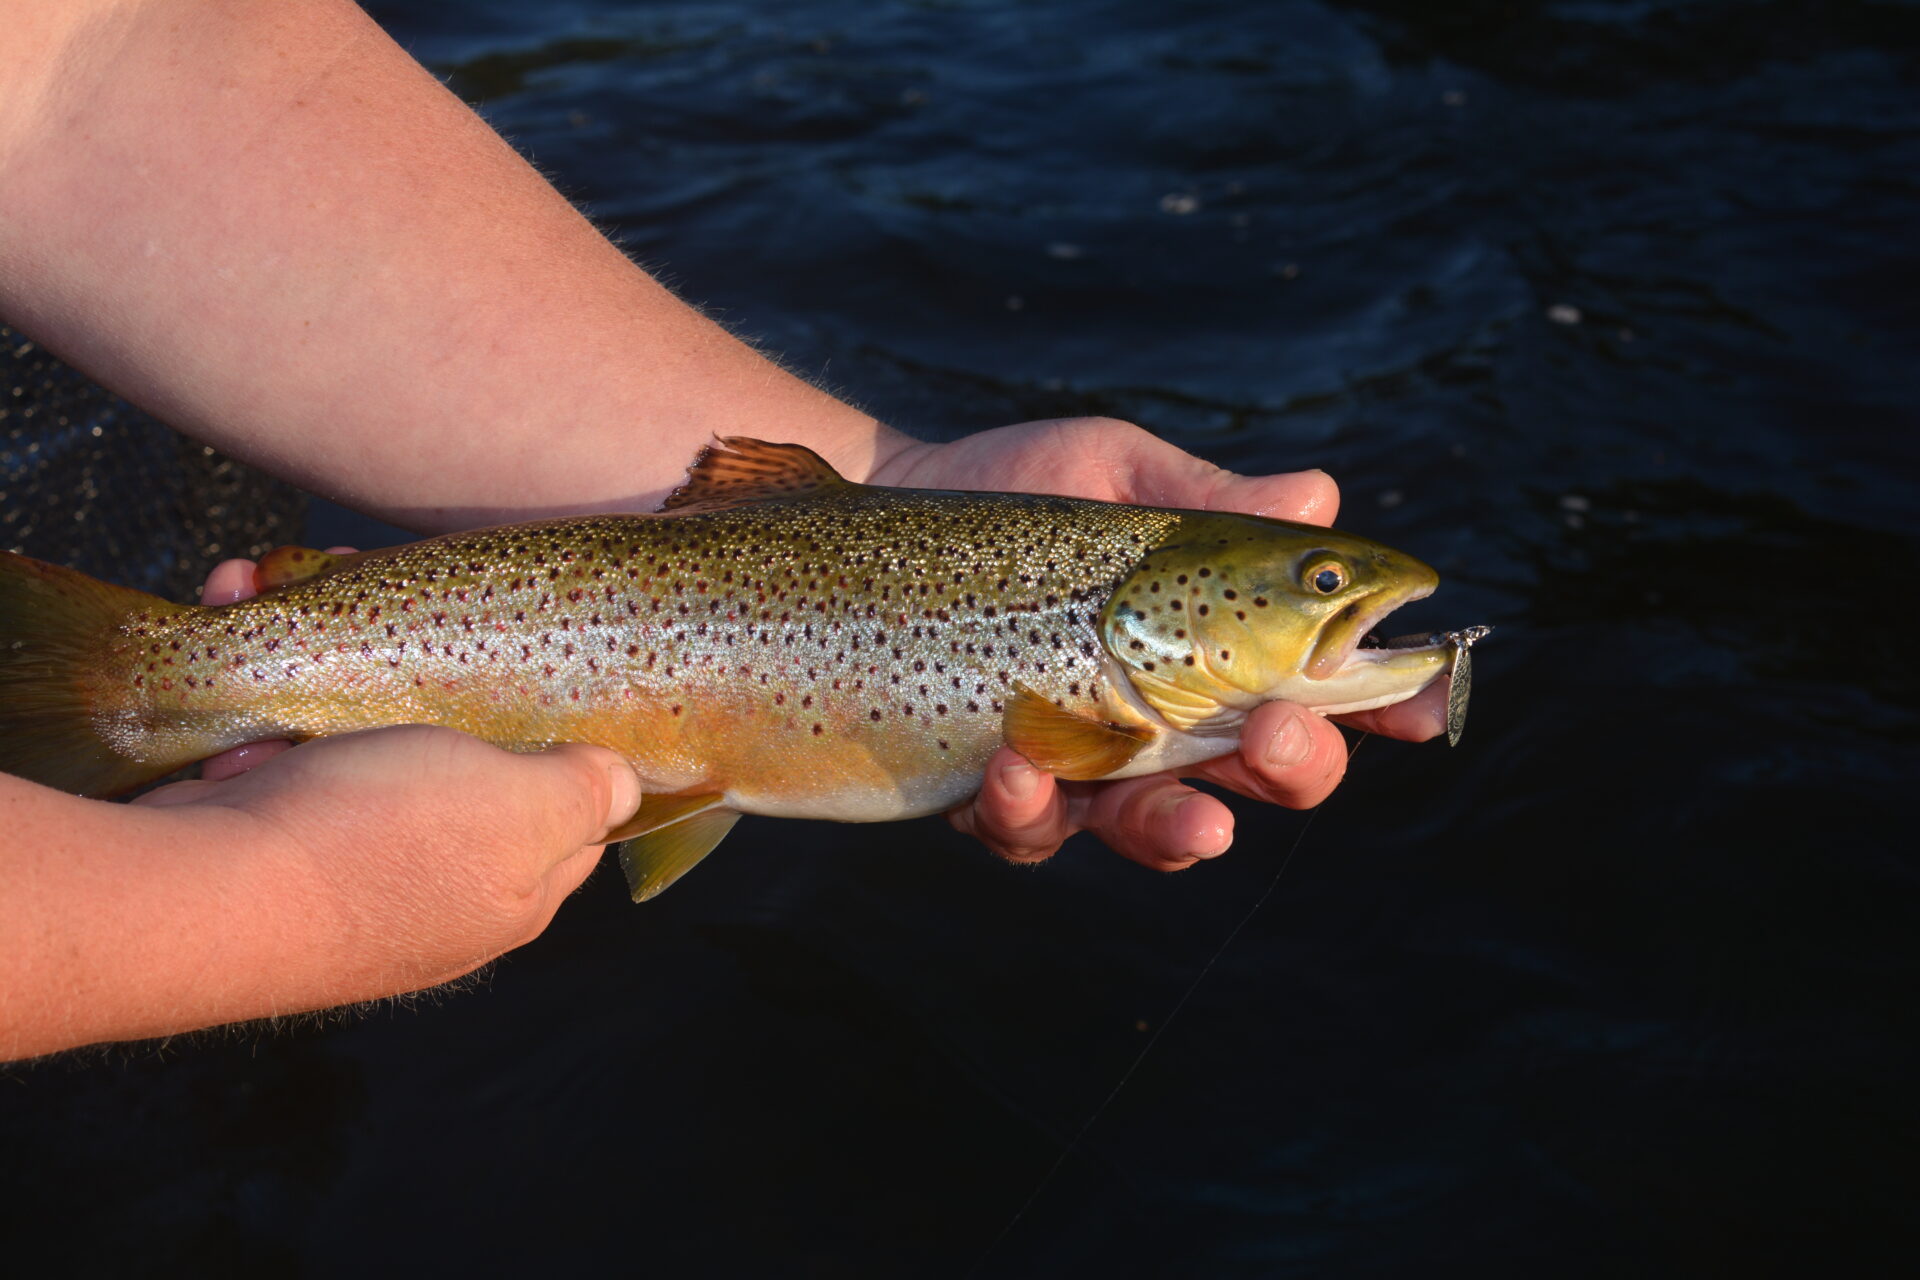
column 54, row 623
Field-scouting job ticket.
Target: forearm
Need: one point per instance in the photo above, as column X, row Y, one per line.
column 349, row 869
column 269, row 225
column 124, row 922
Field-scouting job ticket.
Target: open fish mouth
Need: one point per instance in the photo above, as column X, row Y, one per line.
column 1424, row 639
column 1455, row 645
column 1359, row 669
column 1346, row 634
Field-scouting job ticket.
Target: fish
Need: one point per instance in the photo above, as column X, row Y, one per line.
column 775, row 640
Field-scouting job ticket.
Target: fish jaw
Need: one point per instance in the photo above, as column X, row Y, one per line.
column 1367, row 679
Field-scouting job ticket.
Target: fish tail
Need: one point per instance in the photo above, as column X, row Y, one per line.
column 55, row 625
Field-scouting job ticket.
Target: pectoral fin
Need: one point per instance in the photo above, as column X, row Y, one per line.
column 1066, row 743
column 667, row 838
column 284, row 565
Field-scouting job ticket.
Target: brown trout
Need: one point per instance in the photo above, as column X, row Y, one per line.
column 777, row 640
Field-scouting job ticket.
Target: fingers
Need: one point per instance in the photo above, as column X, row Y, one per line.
column 230, row 582
column 607, row 783
column 233, row 763
column 188, row 791
column 1288, row 756
column 1108, row 459
column 1157, row 821
column 434, row 849
column 233, row 580
column 1019, row 813
column 1165, row 475
column 548, row 815
column 1419, row 718
column 394, row 859
column 1024, row 815
column 1310, row 497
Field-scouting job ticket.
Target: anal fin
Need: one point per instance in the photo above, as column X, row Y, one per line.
column 1067, row 744
column 667, row 839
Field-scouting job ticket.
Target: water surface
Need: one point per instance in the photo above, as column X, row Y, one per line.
column 1608, row 310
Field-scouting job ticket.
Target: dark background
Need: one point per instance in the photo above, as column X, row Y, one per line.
column 1607, row 309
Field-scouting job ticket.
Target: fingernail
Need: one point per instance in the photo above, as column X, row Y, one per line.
column 1020, row 779
column 623, row 798
column 1290, row 743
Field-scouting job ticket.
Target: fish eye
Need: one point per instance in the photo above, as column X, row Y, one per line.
column 1326, row 578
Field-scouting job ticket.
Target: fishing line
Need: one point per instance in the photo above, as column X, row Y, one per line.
column 1073, row 1144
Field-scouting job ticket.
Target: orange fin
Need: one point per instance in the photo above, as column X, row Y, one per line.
column 284, row 565
column 1066, row 743
column 668, row 838
column 659, row 811
column 739, row 470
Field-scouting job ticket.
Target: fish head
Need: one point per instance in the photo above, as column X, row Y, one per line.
column 1233, row 611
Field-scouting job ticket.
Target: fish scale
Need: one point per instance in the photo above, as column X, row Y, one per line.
column 796, row 653
column 776, row 641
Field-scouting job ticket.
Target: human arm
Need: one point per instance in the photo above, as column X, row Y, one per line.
column 354, row 868
column 270, row 225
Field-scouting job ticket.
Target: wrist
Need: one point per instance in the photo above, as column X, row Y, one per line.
column 128, row 922
column 895, row 458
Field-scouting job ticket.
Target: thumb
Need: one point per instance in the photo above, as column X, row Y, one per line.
column 1307, row 496
column 567, row 799
column 1164, row 474
column 449, row 793
column 589, row 791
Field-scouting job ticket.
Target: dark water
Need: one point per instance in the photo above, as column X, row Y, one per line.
column 1609, row 310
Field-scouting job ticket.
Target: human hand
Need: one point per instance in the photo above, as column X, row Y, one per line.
column 376, row 863
column 429, row 883
column 1287, row 756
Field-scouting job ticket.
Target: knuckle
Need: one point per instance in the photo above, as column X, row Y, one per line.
column 1023, row 852
column 1314, row 779
column 1100, row 424
column 588, row 792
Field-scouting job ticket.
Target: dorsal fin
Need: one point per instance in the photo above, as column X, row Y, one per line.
column 284, row 565
column 1065, row 743
column 739, row 469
